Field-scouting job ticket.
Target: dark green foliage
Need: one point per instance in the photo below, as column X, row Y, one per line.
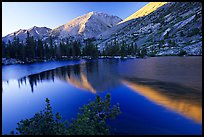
column 92, row 118
column 30, row 47
column 51, row 48
column 90, row 49
column 142, row 52
column 193, row 32
column 162, row 42
column 15, row 45
column 61, row 49
column 182, row 34
column 152, row 53
column 108, row 50
column 67, row 49
column 3, row 49
column 42, row 123
column 123, row 50
column 132, row 49
column 182, row 53
column 46, row 50
column 114, row 49
column 172, row 43
column 166, row 36
column 39, row 50
column 90, row 121
column 76, row 49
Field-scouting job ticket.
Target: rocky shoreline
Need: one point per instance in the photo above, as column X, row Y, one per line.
column 12, row 61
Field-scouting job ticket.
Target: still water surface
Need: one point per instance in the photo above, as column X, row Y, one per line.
column 159, row 95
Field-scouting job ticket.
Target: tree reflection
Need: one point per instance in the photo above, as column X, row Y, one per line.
column 92, row 76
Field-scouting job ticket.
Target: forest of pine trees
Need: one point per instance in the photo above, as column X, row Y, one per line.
column 122, row 49
column 39, row 50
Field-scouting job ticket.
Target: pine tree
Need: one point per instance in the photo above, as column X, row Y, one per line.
column 123, row 49
column 32, row 46
column 40, row 49
column 46, row 50
column 61, row 51
column 96, row 52
column 51, row 47
column 22, row 51
column 67, row 49
column 90, row 49
column 3, row 49
column 115, row 49
column 132, row 49
column 76, row 49
column 14, row 46
column 35, row 49
column 9, row 50
column 135, row 49
column 55, row 51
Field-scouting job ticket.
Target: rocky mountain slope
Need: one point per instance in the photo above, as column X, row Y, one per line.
column 170, row 29
column 147, row 9
column 36, row 32
column 160, row 28
column 85, row 26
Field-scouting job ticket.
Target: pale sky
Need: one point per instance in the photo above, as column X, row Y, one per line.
column 24, row 15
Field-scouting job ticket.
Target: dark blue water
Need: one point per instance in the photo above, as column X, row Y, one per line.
column 156, row 95
column 20, row 70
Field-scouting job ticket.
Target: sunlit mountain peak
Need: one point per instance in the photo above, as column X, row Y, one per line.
column 147, row 9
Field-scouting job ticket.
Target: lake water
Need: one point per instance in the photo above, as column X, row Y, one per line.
column 158, row 95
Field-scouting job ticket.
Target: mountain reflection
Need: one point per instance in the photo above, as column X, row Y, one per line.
column 181, row 99
column 103, row 75
column 85, row 76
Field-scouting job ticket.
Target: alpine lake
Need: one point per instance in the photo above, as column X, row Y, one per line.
column 157, row 95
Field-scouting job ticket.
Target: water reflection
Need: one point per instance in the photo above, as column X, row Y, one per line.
column 102, row 75
column 182, row 99
column 84, row 76
column 178, row 90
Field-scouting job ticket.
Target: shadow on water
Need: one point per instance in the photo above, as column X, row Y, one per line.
column 184, row 100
